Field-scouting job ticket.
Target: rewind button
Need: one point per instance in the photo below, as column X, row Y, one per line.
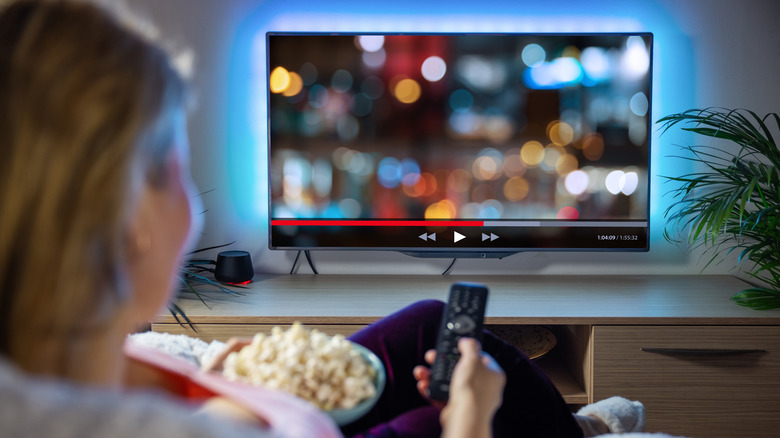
column 427, row 237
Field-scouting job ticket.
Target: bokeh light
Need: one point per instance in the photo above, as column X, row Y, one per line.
column 389, row 172
column 593, row 146
column 516, row 188
column 433, row 68
column 615, row 181
column 560, row 133
column 533, row 55
column 308, row 73
column 374, row 60
column 596, row 64
column 279, row 80
column 295, row 85
column 568, row 213
column 636, row 60
column 630, row 183
column 532, row 153
column 459, row 180
column 341, row 81
column 639, row 104
column 513, row 163
column 577, row 182
column 444, row 209
column 373, row 87
column 370, row 43
column 566, row 163
column 461, row 100
column 407, row 90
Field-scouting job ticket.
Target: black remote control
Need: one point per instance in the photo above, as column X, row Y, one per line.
column 463, row 317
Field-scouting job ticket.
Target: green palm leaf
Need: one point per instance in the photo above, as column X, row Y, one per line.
column 732, row 201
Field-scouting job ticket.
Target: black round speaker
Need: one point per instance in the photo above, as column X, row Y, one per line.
column 234, row 267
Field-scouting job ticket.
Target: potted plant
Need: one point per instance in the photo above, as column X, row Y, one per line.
column 730, row 202
column 195, row 274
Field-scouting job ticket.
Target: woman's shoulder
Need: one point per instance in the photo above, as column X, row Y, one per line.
column 47, row 407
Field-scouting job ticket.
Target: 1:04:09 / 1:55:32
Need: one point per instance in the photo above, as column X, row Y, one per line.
column 617, row 237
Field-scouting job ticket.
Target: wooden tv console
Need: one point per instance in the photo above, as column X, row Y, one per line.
column 702, row 365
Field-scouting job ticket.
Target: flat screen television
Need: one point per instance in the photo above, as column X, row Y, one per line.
column 459, row 145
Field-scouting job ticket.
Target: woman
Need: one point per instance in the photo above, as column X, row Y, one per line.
column 96, row 215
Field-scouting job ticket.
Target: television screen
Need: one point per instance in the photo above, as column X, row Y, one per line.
column 459, row 144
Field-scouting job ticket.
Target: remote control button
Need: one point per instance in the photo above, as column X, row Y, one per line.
column 462, row 324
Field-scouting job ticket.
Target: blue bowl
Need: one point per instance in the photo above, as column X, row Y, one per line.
column 342, row 417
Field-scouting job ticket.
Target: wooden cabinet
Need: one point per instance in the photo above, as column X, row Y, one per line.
column 719, row 379
column 703, row 366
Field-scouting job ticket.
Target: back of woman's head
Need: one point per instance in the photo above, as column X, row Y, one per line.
column 85, row 117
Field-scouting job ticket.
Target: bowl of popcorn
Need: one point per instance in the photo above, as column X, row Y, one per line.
column 342, row 378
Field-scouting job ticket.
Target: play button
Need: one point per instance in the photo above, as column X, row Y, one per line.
column 458, row 237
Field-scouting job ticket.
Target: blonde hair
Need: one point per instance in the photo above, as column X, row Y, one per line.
column 86, row 115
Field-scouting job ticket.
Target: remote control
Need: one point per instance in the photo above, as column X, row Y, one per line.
column 463, row 316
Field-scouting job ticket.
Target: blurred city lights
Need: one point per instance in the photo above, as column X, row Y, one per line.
column 500, row 160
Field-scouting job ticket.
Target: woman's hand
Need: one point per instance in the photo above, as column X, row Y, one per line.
column 475, row 391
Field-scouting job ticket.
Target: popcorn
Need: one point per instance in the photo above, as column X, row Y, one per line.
column 325, row 370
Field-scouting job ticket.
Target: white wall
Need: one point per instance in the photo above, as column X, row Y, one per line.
column 734, row 49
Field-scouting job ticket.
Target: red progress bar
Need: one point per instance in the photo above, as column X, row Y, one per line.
column 377, row 223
